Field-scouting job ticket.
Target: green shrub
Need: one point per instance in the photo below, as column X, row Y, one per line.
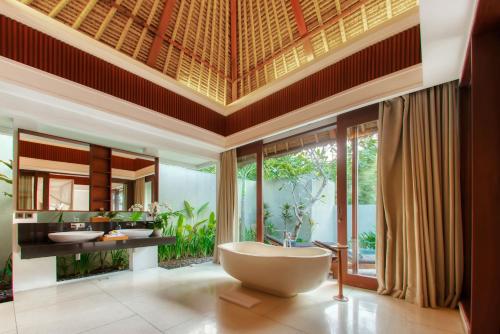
column 194, row 232
column 367, row 240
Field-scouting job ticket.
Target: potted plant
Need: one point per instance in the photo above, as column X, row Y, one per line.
column 153, row 210
column 161, row 219
column 158, row 227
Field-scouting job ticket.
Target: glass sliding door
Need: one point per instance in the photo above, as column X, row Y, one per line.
column 358, row 145
column 362, row 143
column 300, row 175
column 247, row 194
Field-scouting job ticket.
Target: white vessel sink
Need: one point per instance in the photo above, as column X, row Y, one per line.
column 75, row 236
column 137, row 232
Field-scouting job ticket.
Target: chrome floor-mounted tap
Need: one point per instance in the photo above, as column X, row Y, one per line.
column 287, row 239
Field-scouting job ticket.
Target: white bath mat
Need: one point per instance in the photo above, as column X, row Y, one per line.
column 239, row 298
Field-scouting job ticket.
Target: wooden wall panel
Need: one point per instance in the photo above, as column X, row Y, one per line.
column 393, row 54
column 54, row 153
column 33, row 48
column 480, row 171
column 485, row 176
column 465, row 113
column 130, row 164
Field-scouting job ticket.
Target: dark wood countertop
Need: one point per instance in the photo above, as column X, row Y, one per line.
column 37, row 249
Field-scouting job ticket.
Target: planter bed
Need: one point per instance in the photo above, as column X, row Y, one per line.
column 172, row 264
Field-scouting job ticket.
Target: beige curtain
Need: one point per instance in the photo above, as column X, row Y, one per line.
column 227, row 201
column 26, row 190
column 419, row 228
column 139, row 190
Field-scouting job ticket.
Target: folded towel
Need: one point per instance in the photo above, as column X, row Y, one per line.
column 239, row 298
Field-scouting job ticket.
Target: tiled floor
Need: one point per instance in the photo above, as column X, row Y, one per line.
column 186, row 301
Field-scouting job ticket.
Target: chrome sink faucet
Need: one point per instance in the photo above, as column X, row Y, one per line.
column 76, row 226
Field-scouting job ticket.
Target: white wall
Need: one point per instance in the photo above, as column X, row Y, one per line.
column 6, row 151
column 178, row 184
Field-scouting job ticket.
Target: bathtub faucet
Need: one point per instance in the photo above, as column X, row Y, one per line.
column 287, row 239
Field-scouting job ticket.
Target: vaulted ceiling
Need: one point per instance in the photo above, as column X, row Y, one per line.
column 224, row 49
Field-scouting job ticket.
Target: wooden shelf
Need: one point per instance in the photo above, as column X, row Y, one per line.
column 100, row 177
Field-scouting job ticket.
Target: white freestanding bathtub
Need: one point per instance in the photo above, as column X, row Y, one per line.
column 276, row 270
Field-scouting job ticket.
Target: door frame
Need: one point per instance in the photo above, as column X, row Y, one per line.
column 256, row 149
column 344, row 121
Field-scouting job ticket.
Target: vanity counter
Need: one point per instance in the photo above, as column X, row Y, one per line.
column 34, row 241
column 32, row 250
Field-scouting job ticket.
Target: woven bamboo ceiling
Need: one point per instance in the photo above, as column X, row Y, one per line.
column 223, row 49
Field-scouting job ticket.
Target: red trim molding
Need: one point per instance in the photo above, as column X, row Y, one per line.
column 54, row 153
column 388, row 56
column 33, row 48
column 130, row 164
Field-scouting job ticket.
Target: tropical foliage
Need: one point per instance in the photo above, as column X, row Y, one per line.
column 194, row 230
column 367, row 240
column 91, row 264
column 4, row 178
column 6, row 272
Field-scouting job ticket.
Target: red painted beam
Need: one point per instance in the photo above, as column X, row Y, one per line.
column 299, row 17
column 160, row 32
column 234, row 50
column 301, row 25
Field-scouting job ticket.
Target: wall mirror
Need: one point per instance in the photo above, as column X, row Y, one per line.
column 60, row 174
column 133, row 180
column 53, row 173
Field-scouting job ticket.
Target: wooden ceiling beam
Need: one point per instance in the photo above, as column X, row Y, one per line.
column 388, row 4
column 160, row 32
column 301, row 25
column 83, row 15
column 132, row 16
column 107, row 19
column 130, row 20
column 57, row 8
column 330, row 22
column 191, row 54
column 234, row 50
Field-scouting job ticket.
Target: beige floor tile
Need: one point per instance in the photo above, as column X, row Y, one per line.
column 229, row 318
column 72, row 316
column 134, row 285
column 313, row 314
column 186, row 300
column 48, row 296
column 7, row 318
column 132, row 325
column 397, row 327
column 439, row 319
column 162, row 311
